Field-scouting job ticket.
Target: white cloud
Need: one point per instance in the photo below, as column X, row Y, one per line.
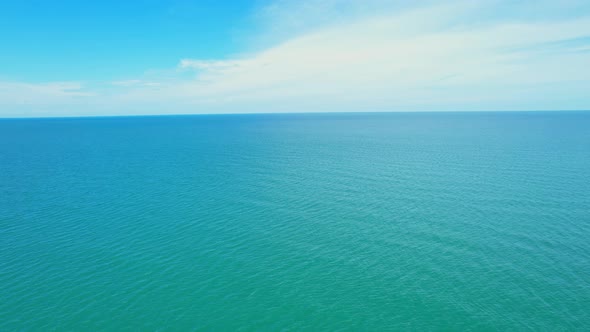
column 135, row 82
column 40, row 93
column 424, row 58
column 209, row 64
column 41, row 99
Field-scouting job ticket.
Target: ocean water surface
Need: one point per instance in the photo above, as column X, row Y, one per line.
column 430, row 221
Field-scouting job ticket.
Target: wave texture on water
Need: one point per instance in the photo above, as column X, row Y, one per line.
column 305, row 222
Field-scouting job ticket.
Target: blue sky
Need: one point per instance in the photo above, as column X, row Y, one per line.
column 77, row 58
column 102, row 40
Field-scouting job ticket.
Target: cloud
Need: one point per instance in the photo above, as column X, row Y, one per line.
column 38, row 99
column 382, row 55
column 134, row 82
column 422, row 58
column 209, row 64
column 40, row 93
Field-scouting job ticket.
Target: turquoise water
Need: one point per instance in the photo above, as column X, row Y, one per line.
column 431, row 221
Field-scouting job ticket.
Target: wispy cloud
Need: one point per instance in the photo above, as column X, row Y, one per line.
column 210, row 64
column 134, row 82
column 383, row 55
column 39, row 93
column 40, row 99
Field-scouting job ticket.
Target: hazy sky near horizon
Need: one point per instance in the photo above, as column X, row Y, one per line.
column 77, row 58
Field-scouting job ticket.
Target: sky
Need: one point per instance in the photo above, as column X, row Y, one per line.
column 152, row 57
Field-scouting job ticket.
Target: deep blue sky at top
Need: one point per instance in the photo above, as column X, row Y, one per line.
column 80, row 40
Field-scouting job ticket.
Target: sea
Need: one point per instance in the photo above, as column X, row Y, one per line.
column 449, row 221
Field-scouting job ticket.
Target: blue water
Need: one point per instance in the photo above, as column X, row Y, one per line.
column 430, row 221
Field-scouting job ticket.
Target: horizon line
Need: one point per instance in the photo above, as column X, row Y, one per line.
column 282, row 113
